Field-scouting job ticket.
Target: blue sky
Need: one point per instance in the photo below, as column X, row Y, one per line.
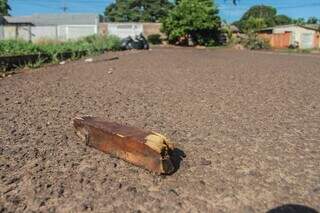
column 228, row 11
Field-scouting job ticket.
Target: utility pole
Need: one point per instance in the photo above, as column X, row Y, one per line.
column 64, row 6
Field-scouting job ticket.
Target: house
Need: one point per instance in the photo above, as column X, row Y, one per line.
column 306, row 37
column 53, row 26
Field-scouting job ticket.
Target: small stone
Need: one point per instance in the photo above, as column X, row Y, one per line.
column 62, row 63
column 89, row 60
column 132, row 189
column 110, row 72
column 205, row 162
column 174, row 192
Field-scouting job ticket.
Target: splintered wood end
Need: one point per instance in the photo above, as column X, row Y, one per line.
column 146, row 149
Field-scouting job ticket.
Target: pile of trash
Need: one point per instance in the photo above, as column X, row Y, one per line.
column 138, row 42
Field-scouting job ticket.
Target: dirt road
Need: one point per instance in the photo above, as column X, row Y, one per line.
column 249, row 124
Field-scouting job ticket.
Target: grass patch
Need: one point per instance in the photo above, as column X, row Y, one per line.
column 56, row 51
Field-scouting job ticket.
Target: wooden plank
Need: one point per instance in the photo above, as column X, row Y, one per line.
column 142, row 148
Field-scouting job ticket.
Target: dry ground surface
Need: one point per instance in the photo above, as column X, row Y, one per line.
column 248, row 122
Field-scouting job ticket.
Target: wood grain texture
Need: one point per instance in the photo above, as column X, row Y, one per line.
column 128, row 143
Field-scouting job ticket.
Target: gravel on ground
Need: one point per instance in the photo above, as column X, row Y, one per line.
column 248, row 123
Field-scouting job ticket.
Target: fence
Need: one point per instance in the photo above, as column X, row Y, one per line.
column 278, row 40
column 34, row 33
column 129, row 28
column 66, row 32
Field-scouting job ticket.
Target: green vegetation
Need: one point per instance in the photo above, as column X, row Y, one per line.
column 195, row 20
column 54, row 51
column 18, row 47
column 260, row 16
column 254, row 42
column 138, row 10
column 4, row 8
column 313, row 20
column 154, row 39
column 89, row 45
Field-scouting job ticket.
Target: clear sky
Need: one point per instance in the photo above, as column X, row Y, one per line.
column 228, row 11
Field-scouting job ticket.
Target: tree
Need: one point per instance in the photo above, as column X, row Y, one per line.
column 138, row 10
column 195, row 19
column 312, row 20
column 4, row 8
column 267, row 13
column 299, row 21
column 253, row 24
column 261, row 12
column 282, row 20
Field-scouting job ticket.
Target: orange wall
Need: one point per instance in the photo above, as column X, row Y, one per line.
column 317, row 40
column 277, row 40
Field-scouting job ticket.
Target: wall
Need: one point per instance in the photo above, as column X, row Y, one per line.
column 152, row 28
column 317, row 40
column 125, row 29
column 65, row 32
column 298, row 35
column 1, row 32
column 146, row 28
column 62, row 32
column 10, row 32
column 103, row 28
column 278, row 40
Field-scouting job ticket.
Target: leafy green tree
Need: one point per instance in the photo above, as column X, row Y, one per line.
column 258, row 12
column 138, row 10
column 299, row 21
column 253, row 24
column 195, row 19
column 267, row 13
column 312, row 20
column 282, row 20
column 4, row 8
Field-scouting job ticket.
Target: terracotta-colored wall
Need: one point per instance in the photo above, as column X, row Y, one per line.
column 152, row 28
column 103, row 28
column 278, row 40
column 317, row 40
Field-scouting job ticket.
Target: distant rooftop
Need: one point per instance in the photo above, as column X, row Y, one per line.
column 55, row 19
column 306, row 26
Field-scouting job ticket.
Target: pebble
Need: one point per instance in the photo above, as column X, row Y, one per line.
column 89, row 60
column 205, row 162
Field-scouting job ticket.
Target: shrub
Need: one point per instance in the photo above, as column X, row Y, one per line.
column 55, row 51
column 254, row 42
column 154, row 39
column 90, row 45
column 18, row 47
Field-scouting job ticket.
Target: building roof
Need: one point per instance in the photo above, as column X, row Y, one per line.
column 55, row 19
column 308, row 26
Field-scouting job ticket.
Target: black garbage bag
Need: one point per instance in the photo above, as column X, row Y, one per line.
column 139, row 42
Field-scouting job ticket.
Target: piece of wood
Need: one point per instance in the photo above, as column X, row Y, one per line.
column 142, row 148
